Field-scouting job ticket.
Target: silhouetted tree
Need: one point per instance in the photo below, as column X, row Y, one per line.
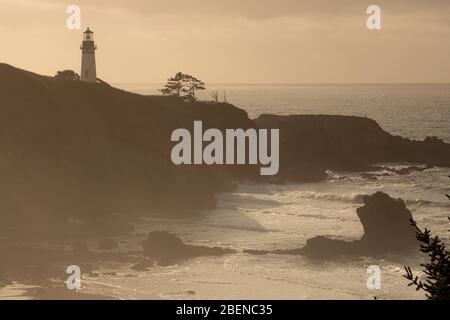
column 192, row 84
column 182, row 85
column 437, row 270
column 174, row 85
column 67, row 75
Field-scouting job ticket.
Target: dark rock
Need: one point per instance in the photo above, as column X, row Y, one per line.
column 387, row 227
column 143, row 265
column 168, row 248
column 324, row 247
column 368, row 176
column 257, row 252
column 311, row 144
column 386, row 223
column 108, row 244
column 87, row 268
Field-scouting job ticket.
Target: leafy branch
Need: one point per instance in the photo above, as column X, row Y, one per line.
column 436, row 270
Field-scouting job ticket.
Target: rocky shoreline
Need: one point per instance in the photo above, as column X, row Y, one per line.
column 70, row 165
column 386, row 223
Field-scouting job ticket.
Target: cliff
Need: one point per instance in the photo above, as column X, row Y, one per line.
column 75, row 149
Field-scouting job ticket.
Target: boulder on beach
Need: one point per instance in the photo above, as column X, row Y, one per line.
column 144, row 265
column 387, row 228
column 167, row 248
column 325, row 247
column 318, row 246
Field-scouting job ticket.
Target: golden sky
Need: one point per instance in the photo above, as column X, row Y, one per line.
column 234, row 41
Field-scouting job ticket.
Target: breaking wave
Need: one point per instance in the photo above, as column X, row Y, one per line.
column 353, row 197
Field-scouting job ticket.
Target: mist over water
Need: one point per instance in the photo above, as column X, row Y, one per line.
column 267, row 217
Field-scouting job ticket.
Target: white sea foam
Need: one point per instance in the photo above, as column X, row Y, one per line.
column 352, row 197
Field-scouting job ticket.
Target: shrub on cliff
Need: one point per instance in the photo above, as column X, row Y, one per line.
column 67, row 75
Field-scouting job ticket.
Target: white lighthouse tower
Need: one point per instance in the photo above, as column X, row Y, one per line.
column 88, row 68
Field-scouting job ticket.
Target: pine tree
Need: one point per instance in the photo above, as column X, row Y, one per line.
column 182, row 85
column 192, row 85
column 174, row 85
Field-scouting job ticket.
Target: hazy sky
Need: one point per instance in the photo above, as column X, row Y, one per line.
column 234, row 41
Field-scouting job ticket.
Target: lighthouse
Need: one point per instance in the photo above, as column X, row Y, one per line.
column 88, row 68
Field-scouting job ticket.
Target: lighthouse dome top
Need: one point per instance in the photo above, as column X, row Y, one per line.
column 88, row 35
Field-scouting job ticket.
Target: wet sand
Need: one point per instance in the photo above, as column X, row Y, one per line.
column 18, row 291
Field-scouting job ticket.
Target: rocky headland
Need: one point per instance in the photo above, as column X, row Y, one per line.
column 82, row 160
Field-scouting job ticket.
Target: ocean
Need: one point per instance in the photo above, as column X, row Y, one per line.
column 409, row 110
column 266, row 217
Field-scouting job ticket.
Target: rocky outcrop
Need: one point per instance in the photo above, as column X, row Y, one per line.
column 325, row 247
column 311, row 144
column 143, row 265
column 387, row 223
column 387, row 228
column 167, row 248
